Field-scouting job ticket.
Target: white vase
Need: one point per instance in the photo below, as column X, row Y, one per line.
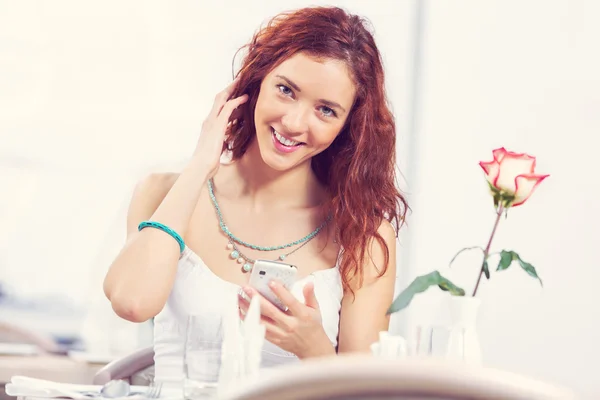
column 463, row 340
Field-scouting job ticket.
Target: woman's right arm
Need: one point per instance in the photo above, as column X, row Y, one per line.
column 139, row 280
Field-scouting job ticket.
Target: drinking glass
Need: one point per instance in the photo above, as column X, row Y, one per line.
column 202, row 359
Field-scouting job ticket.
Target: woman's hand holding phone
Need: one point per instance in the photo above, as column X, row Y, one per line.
column 298, row 330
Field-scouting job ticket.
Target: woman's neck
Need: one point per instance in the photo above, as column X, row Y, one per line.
column 266, row 188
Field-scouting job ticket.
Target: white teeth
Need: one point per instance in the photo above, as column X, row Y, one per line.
column 285, row 141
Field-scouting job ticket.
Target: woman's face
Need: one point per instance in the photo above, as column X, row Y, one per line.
column 301, row 108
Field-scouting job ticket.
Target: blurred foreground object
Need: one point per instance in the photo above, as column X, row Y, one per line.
column 367, row 377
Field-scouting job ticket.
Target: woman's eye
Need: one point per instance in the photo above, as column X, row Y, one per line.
column 327, row 112
column 284, row 90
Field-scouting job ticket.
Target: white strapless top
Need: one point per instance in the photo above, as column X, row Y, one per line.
column 197, row 290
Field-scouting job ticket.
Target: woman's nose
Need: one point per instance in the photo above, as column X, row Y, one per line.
column 295, row 120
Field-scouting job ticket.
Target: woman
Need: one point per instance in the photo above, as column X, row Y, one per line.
column 311, row 177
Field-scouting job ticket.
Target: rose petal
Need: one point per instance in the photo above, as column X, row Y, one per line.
column 511, row 166
column 522, row 156
column 526, row 184
column 491, row 169
column 499, row 153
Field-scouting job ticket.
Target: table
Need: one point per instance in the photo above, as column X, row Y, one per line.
column 50, row 367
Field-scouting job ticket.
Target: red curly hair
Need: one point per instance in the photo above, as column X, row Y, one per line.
column 358, row 169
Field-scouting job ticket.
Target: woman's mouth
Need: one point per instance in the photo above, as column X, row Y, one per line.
column 283, row 144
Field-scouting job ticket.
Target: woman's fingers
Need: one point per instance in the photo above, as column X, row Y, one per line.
column 267, row 309
column 244, row 305
column 222, row 97
column 273, row 333
column 230, row 107
column 281, row 319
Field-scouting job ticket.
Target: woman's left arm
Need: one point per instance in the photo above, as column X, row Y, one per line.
column 363, row 315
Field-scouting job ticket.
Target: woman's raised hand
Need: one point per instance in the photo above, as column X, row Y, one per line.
column 210, row 144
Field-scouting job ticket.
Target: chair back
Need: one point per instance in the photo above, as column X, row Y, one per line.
column 137, row 368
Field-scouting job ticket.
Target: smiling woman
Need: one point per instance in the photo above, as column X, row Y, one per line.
column 299, row 124
column 310, row 180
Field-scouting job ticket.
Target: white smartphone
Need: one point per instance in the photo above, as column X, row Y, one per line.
column 265, row 271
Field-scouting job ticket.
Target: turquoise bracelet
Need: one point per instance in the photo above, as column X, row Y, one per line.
column 164, row 228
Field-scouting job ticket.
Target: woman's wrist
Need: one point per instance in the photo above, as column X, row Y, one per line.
column 319, row 348
column 198, row 168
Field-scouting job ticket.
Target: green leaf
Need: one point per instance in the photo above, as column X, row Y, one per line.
column 506, row 258
column 421, row 284
column 486, row 269
column 448, row 286
column 530, row 270
column 465, row 249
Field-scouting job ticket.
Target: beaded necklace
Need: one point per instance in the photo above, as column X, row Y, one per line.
column 233, row 246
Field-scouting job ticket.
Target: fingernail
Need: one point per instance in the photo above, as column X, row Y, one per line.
column 273, row 284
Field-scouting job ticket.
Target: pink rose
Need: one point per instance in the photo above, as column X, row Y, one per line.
column 512, row 176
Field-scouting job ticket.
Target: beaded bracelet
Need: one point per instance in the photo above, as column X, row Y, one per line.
column 164, row 228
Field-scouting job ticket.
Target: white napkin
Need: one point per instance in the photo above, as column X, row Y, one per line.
column 389, row 346
column 242, row 346
column 254, row 335
column 32, row 387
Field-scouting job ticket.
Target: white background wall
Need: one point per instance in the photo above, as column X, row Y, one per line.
column 93, row 95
